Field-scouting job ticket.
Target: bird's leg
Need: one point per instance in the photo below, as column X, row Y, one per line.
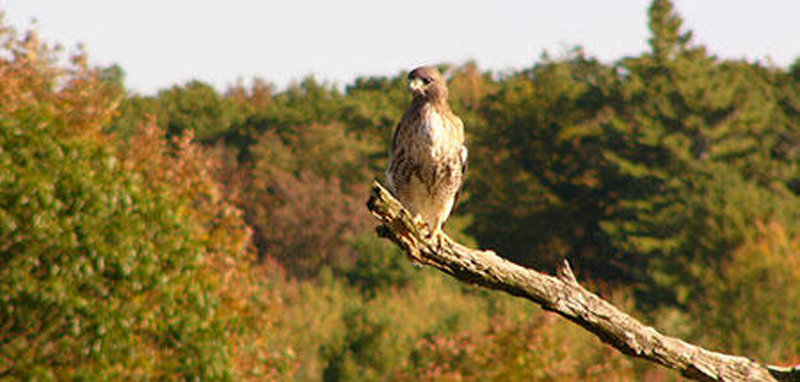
column 436, row 233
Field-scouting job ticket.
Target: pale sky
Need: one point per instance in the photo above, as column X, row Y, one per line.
column 160, row 43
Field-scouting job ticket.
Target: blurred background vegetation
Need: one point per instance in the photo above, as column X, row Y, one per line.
column 216, row 236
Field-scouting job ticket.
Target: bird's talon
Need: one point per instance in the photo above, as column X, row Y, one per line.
column 437, row 237
column 419, row 223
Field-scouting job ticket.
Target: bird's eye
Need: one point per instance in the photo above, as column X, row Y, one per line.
column 426, row 80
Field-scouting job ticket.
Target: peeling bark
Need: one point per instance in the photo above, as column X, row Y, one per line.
column 563, row 295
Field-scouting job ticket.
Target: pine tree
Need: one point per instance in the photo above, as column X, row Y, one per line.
column 699, row 138
column 665, row 25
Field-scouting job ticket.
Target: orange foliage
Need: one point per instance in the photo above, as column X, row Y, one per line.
column 311, row 221
column 304, row 196
column 545, row 348
column 755, row 296
column 186, row 168
column 251, row 305
column 73, row 94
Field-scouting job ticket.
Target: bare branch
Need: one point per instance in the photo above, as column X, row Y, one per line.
column 566, row 297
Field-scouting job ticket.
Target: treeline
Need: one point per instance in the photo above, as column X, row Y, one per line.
column 215, row 235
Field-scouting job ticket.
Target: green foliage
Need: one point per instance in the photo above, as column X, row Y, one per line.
column 704, row 140
column 97, row 269
column 615, row 167
column 303, row 104
column 87, row 249
column 112, row 256
column 364, row 351
column 665, row 29
column 754, row 296
column 374, row 105
column 380, row 267
column 540, row 184
column 195, row 106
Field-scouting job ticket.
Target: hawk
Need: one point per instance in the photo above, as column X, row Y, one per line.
column 428, row 156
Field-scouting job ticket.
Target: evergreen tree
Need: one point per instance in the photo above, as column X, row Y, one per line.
column 667, row 38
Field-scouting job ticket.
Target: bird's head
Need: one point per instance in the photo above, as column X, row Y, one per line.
column 427, row 83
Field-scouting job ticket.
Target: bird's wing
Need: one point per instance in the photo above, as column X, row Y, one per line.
column 401, row 129
column 463, row 159
column 396, row 133
column 398, row 151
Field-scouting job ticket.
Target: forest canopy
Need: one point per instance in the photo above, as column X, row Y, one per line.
column 209, row 234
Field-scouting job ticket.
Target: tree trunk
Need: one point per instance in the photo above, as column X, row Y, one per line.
column 565, row 296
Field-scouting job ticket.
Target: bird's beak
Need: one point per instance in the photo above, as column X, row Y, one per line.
column 415, row 85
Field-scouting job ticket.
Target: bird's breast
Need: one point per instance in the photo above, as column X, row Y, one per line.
column 436, row 135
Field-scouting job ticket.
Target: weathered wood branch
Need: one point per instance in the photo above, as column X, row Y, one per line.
column 565, row 296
